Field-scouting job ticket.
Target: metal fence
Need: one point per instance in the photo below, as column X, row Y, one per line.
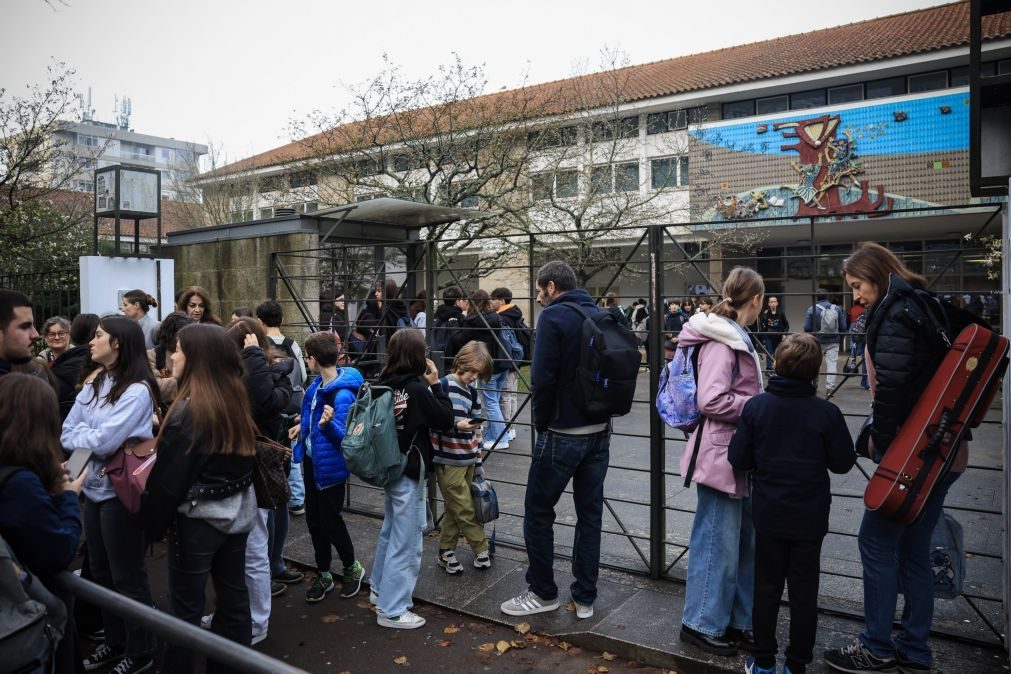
column 55, row 292
column 648, row 511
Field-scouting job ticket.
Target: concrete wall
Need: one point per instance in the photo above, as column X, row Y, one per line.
column 104, row 280
column 236, row 273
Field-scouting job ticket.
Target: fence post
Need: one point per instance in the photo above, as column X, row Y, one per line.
column 1005, row 283
column 272, row 276
column 657, row 456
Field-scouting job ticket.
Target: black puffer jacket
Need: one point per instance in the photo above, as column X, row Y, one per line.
column 905, row 350
column 269, row 389
column 480, row 327
column 67, row 371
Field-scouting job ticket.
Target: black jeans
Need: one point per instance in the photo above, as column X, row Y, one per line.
column 323, row 517
column 798, row 563
column 196, row 550
column 277, row 534
column 116, row 561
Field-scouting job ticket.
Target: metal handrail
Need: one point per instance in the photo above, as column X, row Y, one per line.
column 174, row 630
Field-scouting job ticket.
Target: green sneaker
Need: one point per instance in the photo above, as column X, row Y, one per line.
column 352, row 582
column 321, row 584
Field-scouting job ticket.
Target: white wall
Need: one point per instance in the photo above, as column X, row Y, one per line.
column 104, row 279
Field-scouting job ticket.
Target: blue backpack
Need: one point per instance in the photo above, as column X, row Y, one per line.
column 405, row 322
column 512, row 347
column 676, row 400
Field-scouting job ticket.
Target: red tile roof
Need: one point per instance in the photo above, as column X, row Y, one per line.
column 878, row 39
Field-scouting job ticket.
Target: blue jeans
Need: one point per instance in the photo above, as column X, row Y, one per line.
column 491, row 395
column 297, row 486
column 770, row 342
column 398, row 553
column 896, row 558
column 720, row 588
column 557, row 458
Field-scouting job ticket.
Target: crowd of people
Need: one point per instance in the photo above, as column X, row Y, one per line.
column 205, row 394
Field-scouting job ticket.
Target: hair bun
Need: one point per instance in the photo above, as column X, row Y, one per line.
column 151, row 300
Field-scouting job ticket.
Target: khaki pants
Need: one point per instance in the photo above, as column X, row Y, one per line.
column 508, row 396
column 459, row 518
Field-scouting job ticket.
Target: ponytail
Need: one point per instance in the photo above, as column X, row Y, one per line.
column 741, row 285
column 142, row 298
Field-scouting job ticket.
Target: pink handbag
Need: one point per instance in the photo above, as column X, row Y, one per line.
column 129, row 468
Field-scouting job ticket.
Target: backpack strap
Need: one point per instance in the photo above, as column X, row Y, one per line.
column 698, row 431
column 583, row 312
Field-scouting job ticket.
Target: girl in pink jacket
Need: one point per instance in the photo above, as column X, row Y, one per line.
column 720, row 585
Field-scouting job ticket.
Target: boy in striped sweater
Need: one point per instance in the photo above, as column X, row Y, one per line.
column 457, row 458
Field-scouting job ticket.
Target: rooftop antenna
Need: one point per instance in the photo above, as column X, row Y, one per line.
column 87, row 112
column 124, row 109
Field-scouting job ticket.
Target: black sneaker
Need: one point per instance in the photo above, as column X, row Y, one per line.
column 101, row 656
column 289, row 577
column 352, row 580
column 856, row 658
column 745, row 638
column 277, row 588
column 297, row 510
column 321, row 584
column 133, row 666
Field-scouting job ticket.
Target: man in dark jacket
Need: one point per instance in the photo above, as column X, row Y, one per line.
column 17, row 330
column 827, row 321
column 789, row 438
column 569, row 447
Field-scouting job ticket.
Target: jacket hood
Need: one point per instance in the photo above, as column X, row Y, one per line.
column 790, row 388
column 347, row 378
column 512, row 311
column 702, row 328
column 444, row 312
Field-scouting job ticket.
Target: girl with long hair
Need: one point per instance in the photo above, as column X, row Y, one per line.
column 720, row 588
column 159, row 358
column 40, row 515
column 902, row 352
column 195, row 302
column 137, row 305
column 115, row 405
column 200, row 489
column 420, row 406
column 268, row 387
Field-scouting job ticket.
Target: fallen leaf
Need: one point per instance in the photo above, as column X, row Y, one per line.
column 445, row 643
column 330, row 618
column 363, row 604
column 601, row 669
column 486, row 648
column 522, row 628
column 400, row 660
column 564, row 645
column 570, row 607
column 502, row 647
column 610, row 656
column 452, row 629
column 518, row 644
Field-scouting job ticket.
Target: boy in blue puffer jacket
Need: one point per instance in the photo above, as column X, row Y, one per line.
column 320, row 432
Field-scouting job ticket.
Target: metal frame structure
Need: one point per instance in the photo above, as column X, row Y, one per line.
column 423, row 264
column 118, row 213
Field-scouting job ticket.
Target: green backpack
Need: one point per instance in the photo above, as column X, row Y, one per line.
column 370, row 446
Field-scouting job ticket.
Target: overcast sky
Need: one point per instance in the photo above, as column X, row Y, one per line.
column 237, row 72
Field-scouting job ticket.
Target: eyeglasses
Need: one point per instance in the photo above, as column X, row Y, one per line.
column 57, row 334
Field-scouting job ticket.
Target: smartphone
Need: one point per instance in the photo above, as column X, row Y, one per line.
column 478, row 422
column 77, row 461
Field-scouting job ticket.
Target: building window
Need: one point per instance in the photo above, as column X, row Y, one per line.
column 928, row 82
column 564, row 136
column 85, row 186
column 165, row 154
column 669, row 172
column 615, row 178
column 892, row 86
column 738, row 109
column 563, row 184
column 1004, row 67
column 959, row 77
column 807, row 99
column 848, row 94
column 609, row 129
column 767, row 106
column 89, row 141
column 311, row 206
column 272, row 183
column 368, row 167
column 302, row 179
column 566, row 184
column 403, row 163
column 266, row 213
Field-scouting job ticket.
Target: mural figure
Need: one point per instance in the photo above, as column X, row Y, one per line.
column 826, row 163
column 735, row 208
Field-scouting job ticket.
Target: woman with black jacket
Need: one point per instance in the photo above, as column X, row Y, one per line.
column 420, row 406
column 200, row 489
column 383, row 314
column 68, row 367
column 268, row 385
column 903, row 351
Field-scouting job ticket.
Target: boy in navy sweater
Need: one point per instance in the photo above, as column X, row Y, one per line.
column 790, row 438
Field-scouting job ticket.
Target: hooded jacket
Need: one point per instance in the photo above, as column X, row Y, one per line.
column 269, row 389
column 555, row 361
column 447, row 322
column 791, row 438
column 481, row 328
column 419, row 409
column 67, row 371
column 729, row 375
column 323, row 445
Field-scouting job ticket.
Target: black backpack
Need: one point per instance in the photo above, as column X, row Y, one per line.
column 297, row 386
column 524, row 335
column 609, row 361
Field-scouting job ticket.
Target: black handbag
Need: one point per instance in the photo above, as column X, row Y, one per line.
column 270, row 482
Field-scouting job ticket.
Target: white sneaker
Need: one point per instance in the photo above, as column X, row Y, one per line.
column 258, row 638
column 405, row 621
column 583, row 611
column 373, row 597
column 205, row 622
column 528, row 603
column 502, row 444
column 482, row 560
column 512, row 434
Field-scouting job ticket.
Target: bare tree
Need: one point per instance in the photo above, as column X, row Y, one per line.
column 218, row 202
column 41, row 223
